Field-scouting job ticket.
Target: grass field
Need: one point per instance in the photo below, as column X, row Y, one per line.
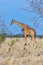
column 13, row 51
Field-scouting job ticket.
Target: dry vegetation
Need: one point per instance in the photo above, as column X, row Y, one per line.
column 13, row 51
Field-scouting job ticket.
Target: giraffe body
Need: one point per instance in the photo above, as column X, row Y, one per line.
column 27, row 30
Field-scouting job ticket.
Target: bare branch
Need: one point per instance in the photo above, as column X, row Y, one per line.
column 35, row 6
column 26, row 10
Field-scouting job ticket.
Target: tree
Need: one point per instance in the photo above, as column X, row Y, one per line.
column 35, row 6
column 2, row 26
column 4, row 29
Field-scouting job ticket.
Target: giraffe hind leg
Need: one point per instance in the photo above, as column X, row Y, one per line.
column 33, row 39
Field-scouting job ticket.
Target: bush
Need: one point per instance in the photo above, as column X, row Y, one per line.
column 12, row 43
column 2, row 37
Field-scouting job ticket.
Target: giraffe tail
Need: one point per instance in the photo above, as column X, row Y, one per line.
column 35, row 37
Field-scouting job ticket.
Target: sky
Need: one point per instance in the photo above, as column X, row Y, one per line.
column 11, row 9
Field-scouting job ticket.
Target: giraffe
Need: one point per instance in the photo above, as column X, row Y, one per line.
column 26, row 29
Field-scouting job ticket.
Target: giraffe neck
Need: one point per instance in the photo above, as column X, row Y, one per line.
column 20, row 24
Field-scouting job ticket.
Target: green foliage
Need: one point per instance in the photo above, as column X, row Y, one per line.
column 17, row 40
column 2, row 37
column 36, row 47
column 12, row 43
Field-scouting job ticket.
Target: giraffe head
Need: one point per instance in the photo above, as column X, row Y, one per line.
column 12, row 21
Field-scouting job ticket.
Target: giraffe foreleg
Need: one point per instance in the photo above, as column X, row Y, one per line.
column 25, row 38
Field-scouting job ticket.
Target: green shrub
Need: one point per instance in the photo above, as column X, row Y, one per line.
column 11, row 43
column 36, row 47
column 2, row 37
column 17, row 40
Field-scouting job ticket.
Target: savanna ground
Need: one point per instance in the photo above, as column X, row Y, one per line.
column 13, row 51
